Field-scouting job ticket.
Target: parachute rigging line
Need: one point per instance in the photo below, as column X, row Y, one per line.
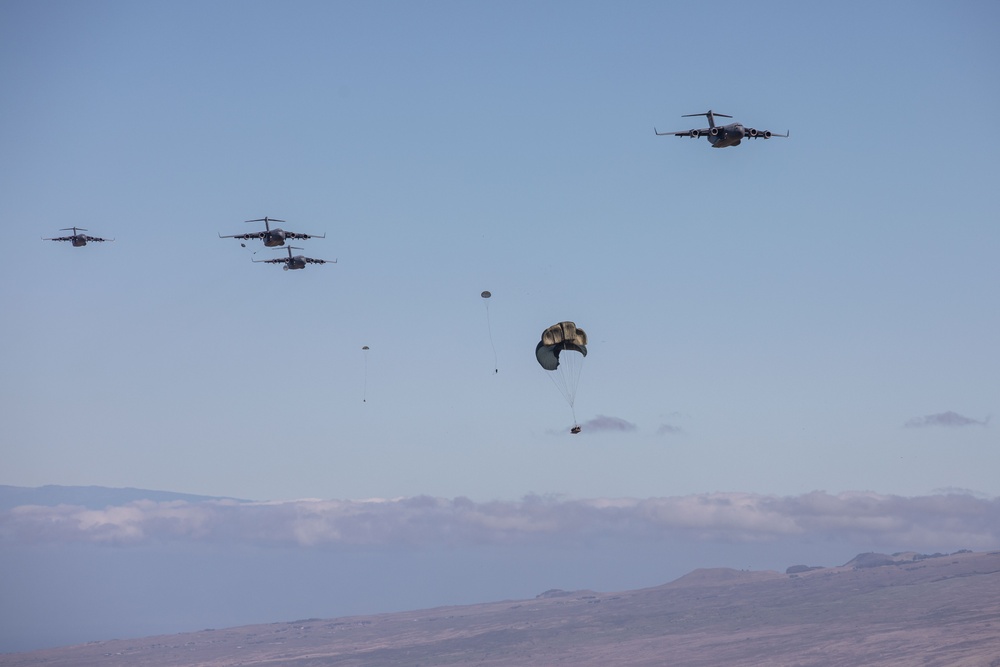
column 566, row 379
column 364, row 395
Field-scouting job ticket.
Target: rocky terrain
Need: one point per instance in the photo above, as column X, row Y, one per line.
column 901, row 609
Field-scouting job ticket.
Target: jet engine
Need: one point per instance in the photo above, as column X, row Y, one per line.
column 767, row 134
column 694, row 134
column 716, row 131
column 752, row 132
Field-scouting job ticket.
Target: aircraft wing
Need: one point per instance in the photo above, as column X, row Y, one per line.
column 694, row 134
column 88, row 239
column 280, row 260
column 310, row 260
column 296, row 235
column 751, row 133
column 245, row 237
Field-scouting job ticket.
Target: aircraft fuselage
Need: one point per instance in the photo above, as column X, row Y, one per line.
column 274, row 238
column 79, row 241
column 723, row 136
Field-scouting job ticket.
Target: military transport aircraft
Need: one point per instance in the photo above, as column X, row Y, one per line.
column 296, row 262
column 721, row 136
column 79, row 240
column 272, row 238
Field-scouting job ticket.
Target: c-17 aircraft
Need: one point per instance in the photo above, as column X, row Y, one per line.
column 721, row 136
column 272, row 238
column 78, row 240
column 296, row 262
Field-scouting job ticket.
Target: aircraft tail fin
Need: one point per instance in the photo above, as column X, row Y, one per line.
column 267, row 221
column 711, row 116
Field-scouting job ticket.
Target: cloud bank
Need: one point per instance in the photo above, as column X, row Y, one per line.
column 951, row 520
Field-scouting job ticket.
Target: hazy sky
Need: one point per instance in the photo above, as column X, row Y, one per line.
column 817, row 313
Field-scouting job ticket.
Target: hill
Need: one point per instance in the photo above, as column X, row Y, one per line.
column 903, row 609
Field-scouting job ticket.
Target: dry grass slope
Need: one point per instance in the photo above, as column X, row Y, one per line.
column 880, row 610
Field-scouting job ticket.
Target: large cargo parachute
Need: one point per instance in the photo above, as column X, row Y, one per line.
column 561, row 351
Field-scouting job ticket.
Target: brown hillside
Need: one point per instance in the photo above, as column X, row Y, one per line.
column 942, row 611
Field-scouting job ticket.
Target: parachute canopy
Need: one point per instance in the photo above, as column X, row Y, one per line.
column 555, row 339
column 486, row 294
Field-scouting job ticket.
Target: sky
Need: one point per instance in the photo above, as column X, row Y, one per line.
column 788, row 317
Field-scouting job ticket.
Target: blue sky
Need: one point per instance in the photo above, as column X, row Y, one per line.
column 786, row 316
column 787, row 305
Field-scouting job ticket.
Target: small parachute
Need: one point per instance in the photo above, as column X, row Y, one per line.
column 561, row 351
column 486, row 296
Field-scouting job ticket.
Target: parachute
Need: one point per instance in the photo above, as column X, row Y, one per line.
column 561, row 351
column 486, row 297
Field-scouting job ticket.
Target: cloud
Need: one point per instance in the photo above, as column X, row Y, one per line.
column 603, row 423
column 669, row 429
column 948, row 520
column 944, row 419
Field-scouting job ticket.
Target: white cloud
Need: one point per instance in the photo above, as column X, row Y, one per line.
column 605, row 423
column 948, row 519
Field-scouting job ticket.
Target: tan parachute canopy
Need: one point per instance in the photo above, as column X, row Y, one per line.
column 555, row 339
